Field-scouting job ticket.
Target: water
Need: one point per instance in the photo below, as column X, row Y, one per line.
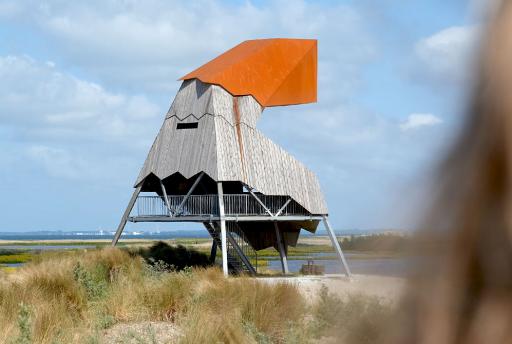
column 394, row 267
column 103, row 235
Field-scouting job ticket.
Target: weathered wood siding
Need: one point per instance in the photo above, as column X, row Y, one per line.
column 227, row 146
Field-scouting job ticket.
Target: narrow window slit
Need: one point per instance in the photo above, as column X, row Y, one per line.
column 192, row 125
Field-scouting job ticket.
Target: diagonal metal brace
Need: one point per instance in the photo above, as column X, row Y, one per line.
column 283, row 207
column 240, row 253
column 166, row 198
column 192, row 188
column 259, row 201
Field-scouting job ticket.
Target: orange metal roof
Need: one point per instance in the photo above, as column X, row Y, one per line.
column 275, row 71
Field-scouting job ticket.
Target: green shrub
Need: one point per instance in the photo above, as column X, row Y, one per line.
column 93, row 282
column 174, row 257
column 24, row 325
column 254, row 332
column 377, row 242
column 104, row 321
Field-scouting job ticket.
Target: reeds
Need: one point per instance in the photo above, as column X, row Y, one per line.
column 71, row 297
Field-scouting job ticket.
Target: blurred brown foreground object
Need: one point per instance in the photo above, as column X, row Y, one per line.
column 464, row 294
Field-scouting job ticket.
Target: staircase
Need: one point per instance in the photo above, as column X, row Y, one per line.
column 240, row 253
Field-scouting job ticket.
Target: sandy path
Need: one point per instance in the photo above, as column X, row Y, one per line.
column 142, row 332
column 386, row 288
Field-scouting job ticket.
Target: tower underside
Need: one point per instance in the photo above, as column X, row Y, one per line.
column 240, row 220
column 174, row 200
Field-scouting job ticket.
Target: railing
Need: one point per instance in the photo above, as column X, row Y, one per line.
column 205, row 205
column 151, row 206
column 241, row 259
column 198, row 205
column 247, row 205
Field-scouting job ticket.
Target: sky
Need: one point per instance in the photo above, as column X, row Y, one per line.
column 84, row 87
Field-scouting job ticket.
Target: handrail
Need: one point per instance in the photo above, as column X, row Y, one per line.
column 240, row 253
column 206, row 205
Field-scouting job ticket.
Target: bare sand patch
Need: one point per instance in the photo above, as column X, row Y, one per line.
column 142, row 332
column 386, row 288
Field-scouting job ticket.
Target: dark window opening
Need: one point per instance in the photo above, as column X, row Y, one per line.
column 192, row 125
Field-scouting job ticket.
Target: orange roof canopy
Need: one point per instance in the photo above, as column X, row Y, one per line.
column 275, row 71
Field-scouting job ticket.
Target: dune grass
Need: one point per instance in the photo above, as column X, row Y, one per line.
column 63, row 297
column 73, row 296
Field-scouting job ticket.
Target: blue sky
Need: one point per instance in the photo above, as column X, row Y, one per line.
column 84, row 87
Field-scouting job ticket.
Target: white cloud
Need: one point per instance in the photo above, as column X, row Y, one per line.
column 446, row 56
column 37, row 100
column 134, row 51
column 148, row 45
column 60, row 163
column 145, row 46
column 418, row 120
column 78, row 164
column 72, row 128
column 358, row 154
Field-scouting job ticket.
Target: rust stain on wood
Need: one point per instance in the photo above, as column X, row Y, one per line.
column 236, row 114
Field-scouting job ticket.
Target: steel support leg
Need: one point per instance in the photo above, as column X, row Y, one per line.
column 129, row 208
column 282, row 251
column 336, row 245
column 223, row 236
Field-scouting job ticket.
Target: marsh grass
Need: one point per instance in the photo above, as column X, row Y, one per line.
column 73, row 296
column 243, row 310
column 70, row 297
column 13, row 258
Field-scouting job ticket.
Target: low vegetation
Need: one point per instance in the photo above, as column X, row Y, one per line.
column 297, row 252
column 388, row 242
column 174, row 257
column 14, row 257
column 77, row 296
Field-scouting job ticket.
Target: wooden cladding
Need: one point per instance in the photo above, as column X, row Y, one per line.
column 227, row 147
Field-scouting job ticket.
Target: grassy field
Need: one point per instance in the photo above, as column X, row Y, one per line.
column 14, row 257
column 113, row 295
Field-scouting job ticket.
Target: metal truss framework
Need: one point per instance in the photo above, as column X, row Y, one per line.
column 221, row 218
